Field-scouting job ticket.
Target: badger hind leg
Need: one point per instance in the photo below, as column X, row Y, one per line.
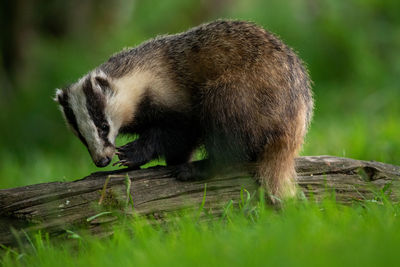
column 276, row 171
column 242, row 128
column 276, row 163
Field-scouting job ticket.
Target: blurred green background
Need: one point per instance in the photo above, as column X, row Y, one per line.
column 351, row 47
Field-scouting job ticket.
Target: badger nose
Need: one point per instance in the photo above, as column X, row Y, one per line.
column 103, row 162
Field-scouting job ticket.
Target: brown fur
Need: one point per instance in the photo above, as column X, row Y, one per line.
column 229, row 85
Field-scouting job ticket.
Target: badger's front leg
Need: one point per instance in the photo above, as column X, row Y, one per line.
column 134, row 155
column 173, row 143
column 193, row 171
column 140, row 151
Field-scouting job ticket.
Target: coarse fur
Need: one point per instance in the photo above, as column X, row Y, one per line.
column 228, row 85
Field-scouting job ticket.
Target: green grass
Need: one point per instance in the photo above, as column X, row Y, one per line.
column 355, row 122
column 301, row 234
column 351, row 49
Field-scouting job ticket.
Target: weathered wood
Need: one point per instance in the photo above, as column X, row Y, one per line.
column 59, row 206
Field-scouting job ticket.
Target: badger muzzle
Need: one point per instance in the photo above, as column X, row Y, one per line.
column 104, row 158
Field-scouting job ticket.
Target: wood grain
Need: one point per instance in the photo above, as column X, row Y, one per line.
column 59, row 206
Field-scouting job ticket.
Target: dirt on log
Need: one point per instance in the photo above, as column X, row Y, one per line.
column 94, row 202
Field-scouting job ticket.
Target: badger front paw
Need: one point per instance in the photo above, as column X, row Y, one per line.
column 189, row 172
column 130, row 156
column 184, row 172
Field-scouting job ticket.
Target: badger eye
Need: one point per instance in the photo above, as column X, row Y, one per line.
column 105, row 127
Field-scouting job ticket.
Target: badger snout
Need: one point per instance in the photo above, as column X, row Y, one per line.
column 103, row 162
column 104, row 158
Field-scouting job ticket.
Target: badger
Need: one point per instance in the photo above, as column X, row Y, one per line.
column 228, row 86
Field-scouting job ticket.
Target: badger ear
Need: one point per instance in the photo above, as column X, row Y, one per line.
column 101, row 80
column 59, row 96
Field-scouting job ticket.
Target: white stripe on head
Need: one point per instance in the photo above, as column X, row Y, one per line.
column 59, row 93
column 86, row 126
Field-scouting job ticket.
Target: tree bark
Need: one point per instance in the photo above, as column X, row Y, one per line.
column 96, row 201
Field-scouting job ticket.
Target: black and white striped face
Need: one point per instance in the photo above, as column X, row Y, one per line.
column 83, row 105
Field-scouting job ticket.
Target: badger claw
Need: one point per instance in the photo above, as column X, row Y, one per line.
column 133, row 155
column 120, row 163
column 128, row 156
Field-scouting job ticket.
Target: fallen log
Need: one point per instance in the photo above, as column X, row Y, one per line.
column 94, row 202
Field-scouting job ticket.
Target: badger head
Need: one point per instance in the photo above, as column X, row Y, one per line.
column 85, row 108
